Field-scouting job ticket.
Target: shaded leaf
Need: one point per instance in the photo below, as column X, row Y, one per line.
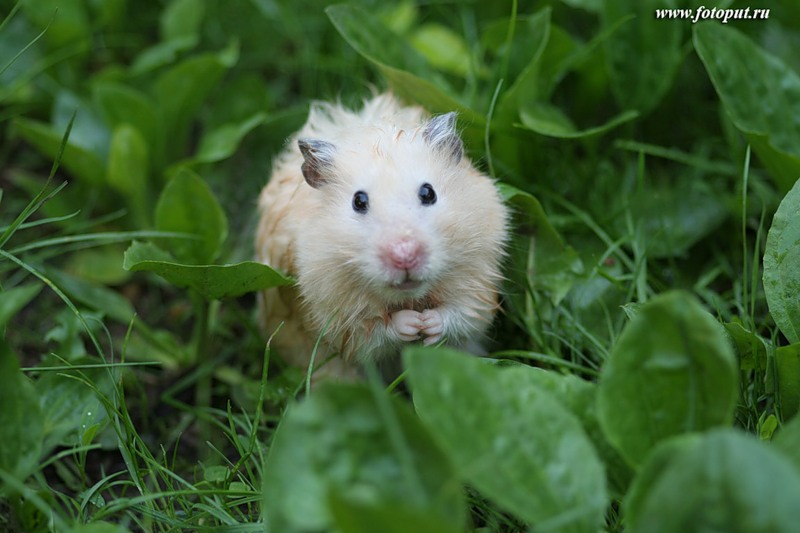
column 181, row 90
column 210, row 281
column 20, row 419
column 187, row 205
column 353, row 516
column 672, row 218
column 723, row 480
column 643, row 54
column 759, row 92
column 93, row 295
column 782, row 266
column 787, row 441
column 128, row 170
column 222, row 142
column 540, row 256
column 120, row 104
column 787, row 362
column 14, row 299
column 443, row 48
column 510, row 438
column 339, row 447
column 80, row 162
column 548, row 120
column 70, row 408
column 672, row 371
column 181, row 18
column 404, row 68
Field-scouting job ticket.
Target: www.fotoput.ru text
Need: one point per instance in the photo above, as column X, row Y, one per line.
column 715, row 13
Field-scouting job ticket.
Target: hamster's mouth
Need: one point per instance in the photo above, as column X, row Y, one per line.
column 407, row 285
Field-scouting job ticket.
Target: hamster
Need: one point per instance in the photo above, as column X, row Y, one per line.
column 391, row 233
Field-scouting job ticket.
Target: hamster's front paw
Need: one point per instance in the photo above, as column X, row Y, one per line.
column 407, row 324
column 433, row 326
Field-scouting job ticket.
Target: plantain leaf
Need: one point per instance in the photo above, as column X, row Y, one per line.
column 672, row 371
column 210, row 281
column 759, row 93
column 782, row 266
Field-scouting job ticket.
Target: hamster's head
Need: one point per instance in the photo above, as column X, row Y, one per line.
column 398, row 211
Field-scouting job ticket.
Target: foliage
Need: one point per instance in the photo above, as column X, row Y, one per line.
column 645, row 370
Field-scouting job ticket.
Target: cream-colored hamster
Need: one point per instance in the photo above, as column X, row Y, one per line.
column 392, row 235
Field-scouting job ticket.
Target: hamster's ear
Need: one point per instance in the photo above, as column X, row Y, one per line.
column 440, row 133
column 318, row 160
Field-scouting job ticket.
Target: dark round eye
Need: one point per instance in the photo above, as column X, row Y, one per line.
column 360, row 202
column 427, row 195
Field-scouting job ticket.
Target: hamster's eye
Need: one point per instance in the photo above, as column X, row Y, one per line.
column 360, row 202
column 426, row 194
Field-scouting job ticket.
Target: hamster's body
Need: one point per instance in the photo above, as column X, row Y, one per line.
column 390, row 232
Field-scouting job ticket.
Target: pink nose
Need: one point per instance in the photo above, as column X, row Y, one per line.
column 404, row 254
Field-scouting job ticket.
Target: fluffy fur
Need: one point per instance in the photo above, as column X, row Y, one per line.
column 339, row 255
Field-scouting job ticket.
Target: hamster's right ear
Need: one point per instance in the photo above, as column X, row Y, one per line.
column 317, row 160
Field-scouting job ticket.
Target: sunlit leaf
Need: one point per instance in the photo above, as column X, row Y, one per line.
column 510, row 438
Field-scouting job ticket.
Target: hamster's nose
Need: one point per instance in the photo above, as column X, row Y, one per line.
column 404, row 254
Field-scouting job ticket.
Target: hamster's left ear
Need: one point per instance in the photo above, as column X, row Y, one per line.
column 441, row 134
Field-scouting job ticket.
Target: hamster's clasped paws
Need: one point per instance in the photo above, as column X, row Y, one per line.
column 407, row 324
column 410, row 325
column 433, row 326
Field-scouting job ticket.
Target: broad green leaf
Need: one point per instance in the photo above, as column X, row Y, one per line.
column 760, row 94
column 182, row 18
column 128, row 170
column 120, row 104
column 20, row 419
column 162, row 54
column 549, row 120
column 88, row 131
column 80, row 162
column 541, row 257
column 443, row 48
column 222, row 142
column 723, row 480
column 787, row 362
column 93, row 295
column 404, row 69
column 400, row 17
column 782, row 266
column 210, row 281
column 99, row 266
column 787, row 441
column 672, row 218
column 14, row 299
column 643, row 55
column 672, row 371
column 216, row 474
column 579, row 397
column 187, row 205
column 354, row 516
column 67, row 23
column 71, row 408
column 510, row 438
column 751, row 350
column 535, row 32
column 181, row 90
column 367, row 450
column 99, row 527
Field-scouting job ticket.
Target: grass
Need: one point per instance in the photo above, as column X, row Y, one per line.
column 131, row 399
